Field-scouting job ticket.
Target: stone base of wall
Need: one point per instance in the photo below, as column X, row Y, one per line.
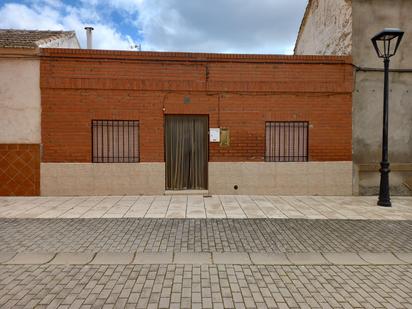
column 303, row 178
column 19, row 169
column 286, row 178
column 400, row 179
column 102, row 178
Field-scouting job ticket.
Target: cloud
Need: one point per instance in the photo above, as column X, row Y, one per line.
column 20, row 16
column 54, row 15
column 237, row 26
column 245, row 26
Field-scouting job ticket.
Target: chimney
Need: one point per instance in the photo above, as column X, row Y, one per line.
column 89, row 37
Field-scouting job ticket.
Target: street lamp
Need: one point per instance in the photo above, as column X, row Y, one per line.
column 386, row 44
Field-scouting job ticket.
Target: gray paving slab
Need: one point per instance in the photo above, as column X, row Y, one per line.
column 73, row 258
column 406, row 257
column 380, row 258
column 192, row 258
column 112, row 258
column 6, row 256
column 269, row 259
column 231, row 258
column 153, row 258
column 345, row 258
column 196, row 205
column 307, row 258
column 31, row 258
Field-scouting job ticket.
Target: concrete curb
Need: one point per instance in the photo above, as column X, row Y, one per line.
column 31, row 258
column 204, row 258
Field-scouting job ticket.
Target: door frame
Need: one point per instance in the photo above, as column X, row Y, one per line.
column 207, row 142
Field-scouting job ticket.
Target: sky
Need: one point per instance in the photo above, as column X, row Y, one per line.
column 221, row 26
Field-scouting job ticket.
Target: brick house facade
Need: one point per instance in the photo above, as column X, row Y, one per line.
column 241, row 93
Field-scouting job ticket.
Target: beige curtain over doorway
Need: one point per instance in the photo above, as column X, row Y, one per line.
column 186, row 152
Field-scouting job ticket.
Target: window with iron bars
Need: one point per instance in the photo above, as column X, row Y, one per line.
column 115, row 141
column 287, row 141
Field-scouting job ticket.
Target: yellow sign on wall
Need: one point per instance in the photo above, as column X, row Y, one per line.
column 224, row 137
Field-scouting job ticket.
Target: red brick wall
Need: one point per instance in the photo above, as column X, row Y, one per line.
column 19, row 169
column 239, row 92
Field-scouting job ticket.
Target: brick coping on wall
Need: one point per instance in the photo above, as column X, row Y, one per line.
column 189, row 56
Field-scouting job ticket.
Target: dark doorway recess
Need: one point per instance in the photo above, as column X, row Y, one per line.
column 186, row 152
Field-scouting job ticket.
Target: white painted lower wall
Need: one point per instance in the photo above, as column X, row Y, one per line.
column 400, row 179
column 102, row 178
column 293, row 178
column 281, row 178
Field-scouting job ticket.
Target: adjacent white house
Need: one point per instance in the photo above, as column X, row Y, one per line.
column 345, row 27
column 20, row 101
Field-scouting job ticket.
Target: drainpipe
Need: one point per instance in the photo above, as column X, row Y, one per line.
column 366, row 69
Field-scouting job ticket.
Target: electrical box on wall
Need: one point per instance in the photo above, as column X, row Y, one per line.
column 214, row 135
column 224, row 137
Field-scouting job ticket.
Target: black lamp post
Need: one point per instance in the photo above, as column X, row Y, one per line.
column 386, row 44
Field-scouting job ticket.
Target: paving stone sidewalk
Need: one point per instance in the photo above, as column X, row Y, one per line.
column 204, row 235
column 198, row 206
column 206, row 286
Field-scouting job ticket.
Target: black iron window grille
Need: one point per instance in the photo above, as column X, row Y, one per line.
column 287, row 141
column 115, row 141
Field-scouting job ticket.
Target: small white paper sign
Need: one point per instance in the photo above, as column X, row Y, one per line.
column 214, row 135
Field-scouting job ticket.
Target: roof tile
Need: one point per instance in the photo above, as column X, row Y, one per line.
column 13, row 38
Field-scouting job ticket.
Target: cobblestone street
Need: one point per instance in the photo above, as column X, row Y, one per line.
column 206, row 263
column 221, row 286
column 212, row 235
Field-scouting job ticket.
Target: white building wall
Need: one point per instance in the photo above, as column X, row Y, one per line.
column 370, row 17
column 20, row 108
column 62, row 43
column 326, row 29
